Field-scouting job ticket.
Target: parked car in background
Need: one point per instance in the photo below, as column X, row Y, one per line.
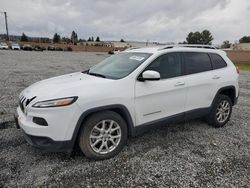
column 51, row 48
column 59, row 49
column 4, row 46
column 67, row 49
column 38, row 48
column 27, row 47
column 114, row 52
column 15, row 46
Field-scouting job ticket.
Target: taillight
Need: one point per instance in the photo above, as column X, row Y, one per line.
column 238, row 70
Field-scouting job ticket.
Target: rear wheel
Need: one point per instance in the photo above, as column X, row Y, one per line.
column 221, row 111
column 103, row 135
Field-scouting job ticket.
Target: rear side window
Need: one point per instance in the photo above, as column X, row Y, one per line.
column 196, row 62
column 218, row 61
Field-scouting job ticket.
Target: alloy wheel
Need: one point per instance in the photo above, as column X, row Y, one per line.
column 105, row 136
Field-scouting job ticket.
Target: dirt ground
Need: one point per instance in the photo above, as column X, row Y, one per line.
column 190, row 154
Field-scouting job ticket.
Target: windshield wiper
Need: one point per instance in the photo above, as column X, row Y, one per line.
column 96, row 74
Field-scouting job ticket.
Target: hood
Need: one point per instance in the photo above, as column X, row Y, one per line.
column 63, row 86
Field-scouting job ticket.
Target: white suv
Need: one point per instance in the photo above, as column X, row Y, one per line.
column 100, row 108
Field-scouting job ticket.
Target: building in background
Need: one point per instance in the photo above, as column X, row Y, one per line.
column 241, row 47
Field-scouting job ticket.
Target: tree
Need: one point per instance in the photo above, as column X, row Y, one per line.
column 89, row 40
column 226, row 44
column 66, row 40
column 81, row 40
column 74, row 37
column 205, row 37
column 24, row 38
column 122, row 40
column 92, row 38
column 97, row 39
column 56, row 38
column 245, row 39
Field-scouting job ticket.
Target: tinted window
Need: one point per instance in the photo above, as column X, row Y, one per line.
column 168, row 65
column 218, row 62
column 197, row 62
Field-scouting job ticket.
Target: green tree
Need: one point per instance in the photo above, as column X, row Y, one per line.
column 205, row 37
column 97, row 39
column 245, row 39
column 89, row 40
column 66, row 40
column 56, row 38
column 24, row 38
column 226, row 44
column 122, row 40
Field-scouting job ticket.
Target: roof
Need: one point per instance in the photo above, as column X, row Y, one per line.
column 177, row 48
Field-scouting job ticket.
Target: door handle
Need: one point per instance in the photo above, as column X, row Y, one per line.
column 179, row 84
column 216, row 77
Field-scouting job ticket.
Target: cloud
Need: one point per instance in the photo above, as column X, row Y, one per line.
column 154, row 20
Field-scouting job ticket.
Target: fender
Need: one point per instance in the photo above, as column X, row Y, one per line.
column 234, row 102
column 125, row 114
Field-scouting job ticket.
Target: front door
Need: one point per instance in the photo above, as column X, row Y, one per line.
column 166, row 97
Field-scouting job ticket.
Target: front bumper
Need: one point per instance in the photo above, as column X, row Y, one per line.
column 45, row 143
column 57, row 136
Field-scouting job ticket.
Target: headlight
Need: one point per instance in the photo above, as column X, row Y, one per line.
column 55, row 102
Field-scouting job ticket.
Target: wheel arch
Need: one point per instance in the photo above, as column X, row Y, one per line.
column 229, row 91
column 118, row 108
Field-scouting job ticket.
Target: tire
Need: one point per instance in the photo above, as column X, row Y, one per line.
column 216, row 117
column 105, row 131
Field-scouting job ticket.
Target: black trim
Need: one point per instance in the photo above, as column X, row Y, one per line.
column 234, row 102
column 178, row 118
column 125, row 111
column 141, row 79
column 40, row 121
column 45, row 143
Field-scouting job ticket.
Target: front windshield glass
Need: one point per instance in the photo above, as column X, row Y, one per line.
column 119, row 65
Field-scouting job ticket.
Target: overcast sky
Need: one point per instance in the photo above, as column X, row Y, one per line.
column 141, row 20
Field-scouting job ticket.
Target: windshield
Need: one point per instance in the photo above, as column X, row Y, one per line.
column 119, row 65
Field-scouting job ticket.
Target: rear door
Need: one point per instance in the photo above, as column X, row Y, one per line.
column 200, row 80
column 163, row 98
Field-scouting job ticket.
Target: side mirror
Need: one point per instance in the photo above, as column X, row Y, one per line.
column 150, row 75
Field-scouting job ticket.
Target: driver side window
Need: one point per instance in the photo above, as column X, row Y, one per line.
column 168, row 65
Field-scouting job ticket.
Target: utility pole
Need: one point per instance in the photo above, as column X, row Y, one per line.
column 6, row 25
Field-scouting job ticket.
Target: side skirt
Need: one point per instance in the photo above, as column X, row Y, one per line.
column 178, row 118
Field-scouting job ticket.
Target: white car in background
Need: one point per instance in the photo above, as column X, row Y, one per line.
column 4, row 46
column 15, row 46
column 100, row 108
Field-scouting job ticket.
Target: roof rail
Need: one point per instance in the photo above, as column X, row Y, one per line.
column 187, row 46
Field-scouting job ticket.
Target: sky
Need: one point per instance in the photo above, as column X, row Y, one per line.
column 138, row 20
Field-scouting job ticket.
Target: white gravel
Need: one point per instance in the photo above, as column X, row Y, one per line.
column 191, row 154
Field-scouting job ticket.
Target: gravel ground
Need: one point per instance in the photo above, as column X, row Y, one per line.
column 191, row 154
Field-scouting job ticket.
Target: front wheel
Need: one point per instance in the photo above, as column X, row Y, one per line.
column 103, row 135
column 220, row 112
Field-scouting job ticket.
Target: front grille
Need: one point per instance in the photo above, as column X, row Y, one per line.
column 24, row 102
